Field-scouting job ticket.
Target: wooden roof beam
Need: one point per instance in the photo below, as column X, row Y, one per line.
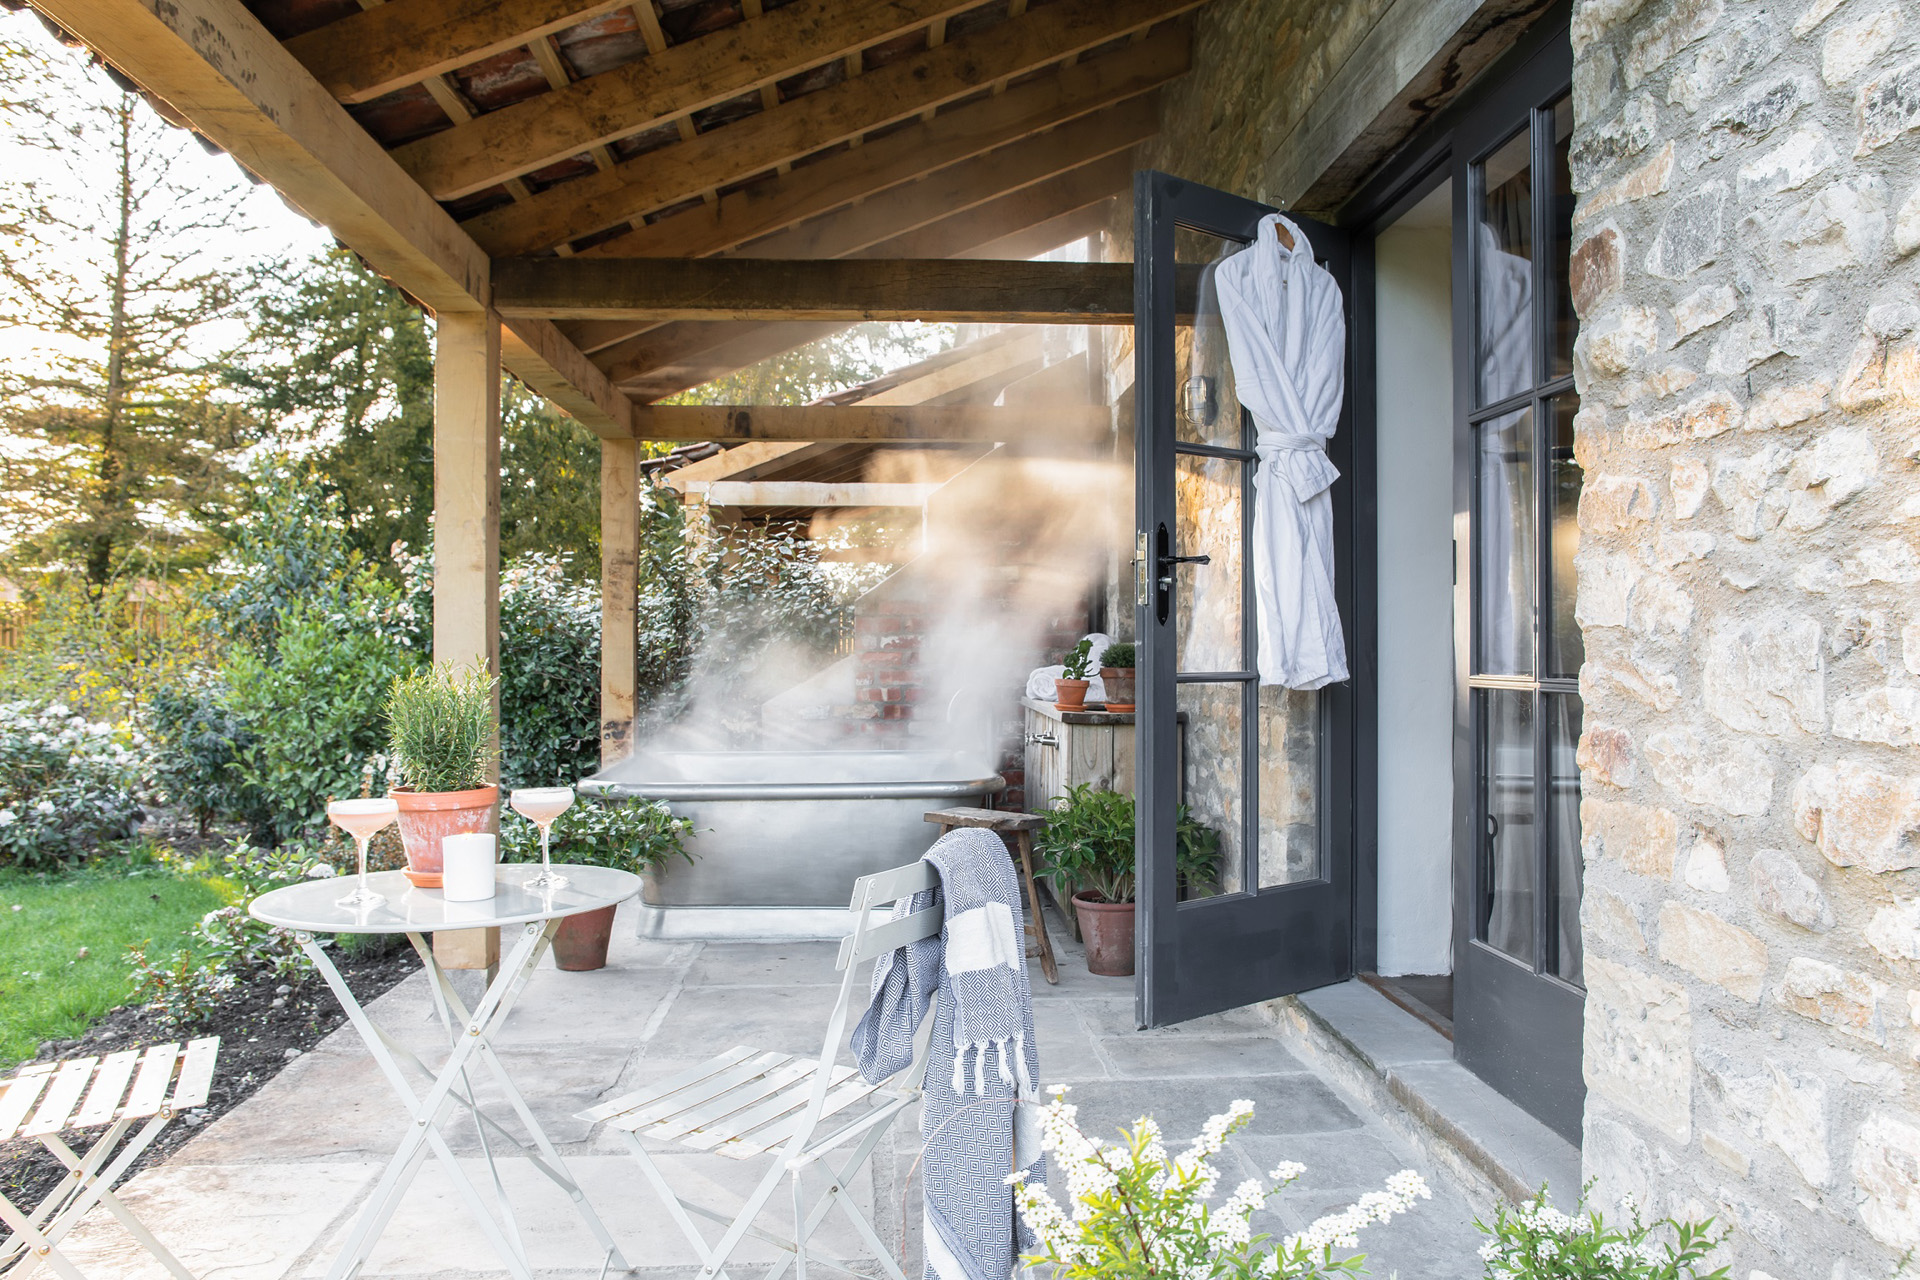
column 811, row 493
column 626, row 349
column 961, row 423
column 936, row 290
column 806, row 124
column 388, row 47
column 776, row 204
column 676, row 80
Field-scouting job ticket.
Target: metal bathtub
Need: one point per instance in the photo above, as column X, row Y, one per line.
column 780, row 837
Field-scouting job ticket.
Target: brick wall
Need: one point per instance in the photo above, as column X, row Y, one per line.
column 1749, row 368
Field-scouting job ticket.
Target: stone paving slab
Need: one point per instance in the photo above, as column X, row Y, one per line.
column 268, row 1191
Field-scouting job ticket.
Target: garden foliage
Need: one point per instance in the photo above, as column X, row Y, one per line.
column 1535, row 1241
column 549, row 675
column 440, row 727
column 1088, row 843
column 636, row 836
column 66, row 783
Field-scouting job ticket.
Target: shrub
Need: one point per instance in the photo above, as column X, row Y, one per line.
column 1118, row 656
column 289, row 552
column 199, row 748
column 312, row 704
column 66, row 783
column 1535, row 1241
column 549, row 675
column 636, row 836
column 1136, row 1213
column 440, row 728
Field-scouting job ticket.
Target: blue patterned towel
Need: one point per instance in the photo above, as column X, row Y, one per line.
column 983, row 1062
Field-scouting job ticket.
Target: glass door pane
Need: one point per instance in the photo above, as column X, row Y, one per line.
column 1508, row 874
column 1565, row 649
column 1504, row 270
column 1507, row 569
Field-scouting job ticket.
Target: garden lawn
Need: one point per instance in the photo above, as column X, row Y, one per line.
column 63, row 944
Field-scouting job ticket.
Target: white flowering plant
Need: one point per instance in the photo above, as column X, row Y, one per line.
column 1137, row 1213
column 1535, row 1241
column 67, row 783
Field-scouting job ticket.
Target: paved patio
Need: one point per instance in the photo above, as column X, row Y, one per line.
column 269, row 1190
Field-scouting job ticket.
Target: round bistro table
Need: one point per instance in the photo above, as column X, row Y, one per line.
column 309, row 908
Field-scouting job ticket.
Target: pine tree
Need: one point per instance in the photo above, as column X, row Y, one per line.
column 119, row 439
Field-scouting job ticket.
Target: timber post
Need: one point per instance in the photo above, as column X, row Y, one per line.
column 619, row 596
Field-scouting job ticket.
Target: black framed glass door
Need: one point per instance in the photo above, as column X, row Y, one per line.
column 1519, row 1000
column 1253, row 772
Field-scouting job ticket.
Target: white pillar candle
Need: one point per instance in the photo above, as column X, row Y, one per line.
column 467, row 867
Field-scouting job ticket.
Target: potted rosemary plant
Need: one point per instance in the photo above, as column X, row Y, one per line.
column 1116, row 673
column 440, row 721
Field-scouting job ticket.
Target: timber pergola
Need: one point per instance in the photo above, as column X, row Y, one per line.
column 618, row 200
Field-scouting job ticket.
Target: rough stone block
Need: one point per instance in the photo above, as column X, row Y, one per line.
column 1853, row 47
column 1688, row 483
column 1643, row 839
column 1734, row 776
column 1617, row 343
column 1594, row 270
column 1753, row 490
column 1702, row 309
column 1610, row 502
column 1638, row 1044
column 1781, row 887
column 1785, row 406
column 1797, row 1121
column 1842, row 999
column 1757, row 115
column 1711, row 949
column 1894, row 930
column 1605, row 914
column 1677, row 25
column 1713, row 414
column 1886, row 1168
column 1707, row 866
column 1649, row 179
column 1805, row 155
column 1890, row 714
column 1888, row 106
column 1838, row 228
column 1692, row 233
column 1858, row 816
column 1764, row 674
column 1832, row 470
column 1605, row 753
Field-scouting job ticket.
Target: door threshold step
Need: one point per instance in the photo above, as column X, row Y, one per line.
column 1405, row 1071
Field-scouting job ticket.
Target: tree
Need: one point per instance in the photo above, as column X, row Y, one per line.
column 119, row 438
column 822, row 367
column 341, row 363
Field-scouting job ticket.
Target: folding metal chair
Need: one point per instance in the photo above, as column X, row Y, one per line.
column 747, row 1104
column 58, row 1090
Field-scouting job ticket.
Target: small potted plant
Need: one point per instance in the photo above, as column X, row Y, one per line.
column 440, row 721
column 638, row 836
column 1070, row 689
column 1088, row 844
column 1116, row 673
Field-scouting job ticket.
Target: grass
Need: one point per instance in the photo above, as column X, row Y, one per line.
column 63, row 942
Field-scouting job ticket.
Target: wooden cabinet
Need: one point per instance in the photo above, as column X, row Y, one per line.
column 1065, row 748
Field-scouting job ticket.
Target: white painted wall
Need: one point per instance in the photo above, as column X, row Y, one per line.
column 1413, row 269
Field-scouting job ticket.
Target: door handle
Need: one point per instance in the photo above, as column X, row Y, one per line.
column 1163, row 565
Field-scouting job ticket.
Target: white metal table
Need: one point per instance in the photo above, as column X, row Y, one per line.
column 310, row 908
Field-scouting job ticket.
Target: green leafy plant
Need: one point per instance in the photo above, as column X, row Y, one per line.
column 1135, row 1212
column 636, row 836
column 1088, row 843
column 1118, row 656
column 201, row 745
column 440, row 722
column 1078, row 661
column 66, row 783
column 182, row 992
column 1535, row 1241
column 549, row 675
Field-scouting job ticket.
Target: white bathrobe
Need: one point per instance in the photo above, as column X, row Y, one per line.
column 1287, row 338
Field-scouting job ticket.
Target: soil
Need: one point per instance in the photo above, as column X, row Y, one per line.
column 263, row 1025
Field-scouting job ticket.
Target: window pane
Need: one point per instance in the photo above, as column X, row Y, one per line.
column 1507, row 861
column 1558, row 237
column 1215, row 785
column 1208, row 501
column 1504, row 535
column 1289, row 784
column 1563, row 834
column 1565, row 650
column 1505, row 265
column 1205, row 410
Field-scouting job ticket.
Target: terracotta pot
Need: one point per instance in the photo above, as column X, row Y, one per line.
column 427, row 816
column 1119, row 683
column 1108, row 930
column 580, row 943
column 1070, row 695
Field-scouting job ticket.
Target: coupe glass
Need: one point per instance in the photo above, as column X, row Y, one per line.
column 360, row 819
column 542, row 806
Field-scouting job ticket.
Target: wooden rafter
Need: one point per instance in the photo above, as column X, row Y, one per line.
column 774, row 205
column 622, row 348
column 971, row 423
column 364, row 55
column 812, row 493
column 931, row 289
column 640, row 95
column 810, row 123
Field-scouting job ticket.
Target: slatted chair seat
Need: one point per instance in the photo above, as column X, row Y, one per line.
column 748, row 1104
column 45, row 1100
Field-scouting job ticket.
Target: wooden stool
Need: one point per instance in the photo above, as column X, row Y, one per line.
column 1021, row 827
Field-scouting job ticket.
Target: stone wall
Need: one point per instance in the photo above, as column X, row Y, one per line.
column 1749, row 367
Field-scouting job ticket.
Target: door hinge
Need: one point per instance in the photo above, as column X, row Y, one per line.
column 1140, row 596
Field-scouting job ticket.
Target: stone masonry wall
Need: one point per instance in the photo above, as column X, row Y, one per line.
column 1749, row 367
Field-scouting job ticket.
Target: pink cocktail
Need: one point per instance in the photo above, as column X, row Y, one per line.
column 542, row 806
column 360, row 819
